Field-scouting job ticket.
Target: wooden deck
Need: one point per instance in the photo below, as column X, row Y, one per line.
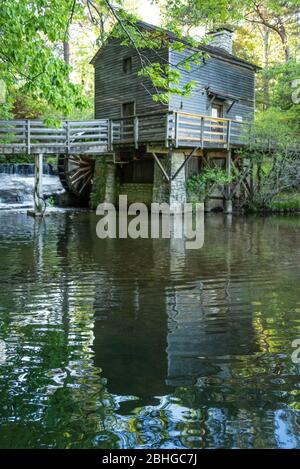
column 167, row 129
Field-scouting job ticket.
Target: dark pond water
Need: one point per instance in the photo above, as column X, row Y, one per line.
column 139, row 343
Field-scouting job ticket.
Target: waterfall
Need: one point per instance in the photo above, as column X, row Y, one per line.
column 17, row 184
column 25, row 169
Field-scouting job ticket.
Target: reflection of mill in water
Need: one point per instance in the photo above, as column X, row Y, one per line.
column 169, row 331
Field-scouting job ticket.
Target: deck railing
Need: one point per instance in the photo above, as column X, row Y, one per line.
column 179, row 129
column 176, row 129
column 144, row 128
column 205, row 131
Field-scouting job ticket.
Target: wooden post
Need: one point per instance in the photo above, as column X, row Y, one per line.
column 228, row 196
column 161, row 167
column 168, row 136
column 28, row 136
column 176, row 129
column 202, row 133
column 228, row 135
column 68, row 142
column 136, row 132
column 110, row 135
column 38, row 185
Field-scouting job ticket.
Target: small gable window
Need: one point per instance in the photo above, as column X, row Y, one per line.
column 127, row 65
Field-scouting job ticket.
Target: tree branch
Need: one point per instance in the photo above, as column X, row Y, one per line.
column 70, row 19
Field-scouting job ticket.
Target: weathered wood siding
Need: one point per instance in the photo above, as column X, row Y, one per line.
column 114, row 87
column 221, row 76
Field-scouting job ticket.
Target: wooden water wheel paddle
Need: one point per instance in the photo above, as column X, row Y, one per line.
column 76, row 174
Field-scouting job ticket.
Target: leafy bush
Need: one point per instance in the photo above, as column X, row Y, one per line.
column 200, row 186
column 286, row 202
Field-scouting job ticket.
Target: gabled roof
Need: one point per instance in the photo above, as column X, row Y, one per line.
column 210, row 50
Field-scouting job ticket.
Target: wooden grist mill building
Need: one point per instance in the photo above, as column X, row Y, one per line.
column 140, row 147
column 159, row 146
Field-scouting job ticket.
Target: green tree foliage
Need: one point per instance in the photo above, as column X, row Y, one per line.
column 274, row 157
column 29, row 33
column 279, row 16
column 201, row 12
column 34, row 37
column 285, row 84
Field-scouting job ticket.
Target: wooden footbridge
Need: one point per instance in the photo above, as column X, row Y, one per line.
column 31, row 137
column 77, row 143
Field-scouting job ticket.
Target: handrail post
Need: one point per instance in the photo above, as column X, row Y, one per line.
column 28, row 137
column 68, row 143
column 228, row 137
column 176, row 129
column 109, row 135
column 112, row 137
column 136, row 132
column 167, row 129
column 202, row 132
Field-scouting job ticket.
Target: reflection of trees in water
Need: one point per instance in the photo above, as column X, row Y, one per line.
column 217, row 335
column 112, row 325
column 49, row 364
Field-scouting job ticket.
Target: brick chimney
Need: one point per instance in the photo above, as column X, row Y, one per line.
column 221, row 38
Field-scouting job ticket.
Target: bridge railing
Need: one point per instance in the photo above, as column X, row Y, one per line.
column 32, row 136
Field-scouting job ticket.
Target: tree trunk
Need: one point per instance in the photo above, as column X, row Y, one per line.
column 285, row 42
column 66, row 46
column 102, row 29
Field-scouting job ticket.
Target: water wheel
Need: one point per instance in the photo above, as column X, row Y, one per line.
column 76, row 174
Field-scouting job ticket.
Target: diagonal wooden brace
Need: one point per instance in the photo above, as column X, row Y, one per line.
column 185, row 163
column 161, row 167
